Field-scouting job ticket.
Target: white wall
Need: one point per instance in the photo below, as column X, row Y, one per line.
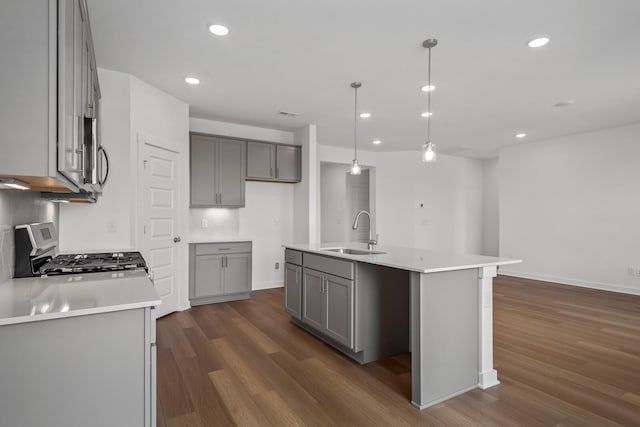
column 131, row 109
column 490, row 208
column 333, row 202
column 266, row 219
column 110, row 222
column 20, row 207
column 429, row 205
column 569, row 207
column 306, row 195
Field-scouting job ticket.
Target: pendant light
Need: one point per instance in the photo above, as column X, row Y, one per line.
column 429, row 148
column 355, row 167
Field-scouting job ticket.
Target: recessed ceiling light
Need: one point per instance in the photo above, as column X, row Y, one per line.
column 539, row 42
column 520, row 135
column 564, row 104
column 427, row 88
column 192, row 80
column 218, row 30
column 377, row 142
column 426, row 114
column 365, row 115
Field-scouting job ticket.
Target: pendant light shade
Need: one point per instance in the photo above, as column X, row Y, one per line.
column 429, row 148
column 355, row 167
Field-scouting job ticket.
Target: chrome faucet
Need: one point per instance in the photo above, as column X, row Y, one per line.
column 372, row 242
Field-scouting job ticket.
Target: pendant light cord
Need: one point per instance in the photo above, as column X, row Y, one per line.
column 355, row 125
column 429, row 98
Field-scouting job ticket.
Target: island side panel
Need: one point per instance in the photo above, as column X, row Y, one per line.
column 444, row 335
column 488, row 376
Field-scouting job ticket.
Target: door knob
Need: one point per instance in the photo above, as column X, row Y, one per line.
column 177, row 240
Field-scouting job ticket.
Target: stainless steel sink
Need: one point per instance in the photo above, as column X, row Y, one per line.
column 353, row 251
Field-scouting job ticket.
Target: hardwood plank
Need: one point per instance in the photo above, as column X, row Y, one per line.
column 172, row 391
column 241, row 406
column 566, row 356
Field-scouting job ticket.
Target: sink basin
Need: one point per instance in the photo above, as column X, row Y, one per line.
column 354, row 251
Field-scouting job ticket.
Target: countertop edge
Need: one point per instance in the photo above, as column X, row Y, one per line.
column 80, row 312
column 372, row 259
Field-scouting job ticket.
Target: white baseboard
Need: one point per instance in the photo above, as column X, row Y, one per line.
column 267, row 285
column 572, row 282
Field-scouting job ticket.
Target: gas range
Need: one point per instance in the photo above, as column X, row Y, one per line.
column 93, row 262
column 35, row 255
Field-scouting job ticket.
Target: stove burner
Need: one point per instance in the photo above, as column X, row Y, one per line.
column 90, row 263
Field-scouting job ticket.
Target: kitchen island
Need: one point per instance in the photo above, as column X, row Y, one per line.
column 78, row 349
column 371, row 304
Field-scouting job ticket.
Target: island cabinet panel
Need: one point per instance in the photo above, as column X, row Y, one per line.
column 219, row 272
column 313, row 299
column 339, row 309
column 293, row 289
column 327, row 305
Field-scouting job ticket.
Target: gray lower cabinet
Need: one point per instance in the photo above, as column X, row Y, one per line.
column 217, row 171
column 327, row 305
column 267, row 161
column 219, row 272
column 361, row 309
column 293, row 289
column 93, row 370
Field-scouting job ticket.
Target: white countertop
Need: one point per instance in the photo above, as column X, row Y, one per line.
column 419, row 260
column 205, row 239
column 37, row 298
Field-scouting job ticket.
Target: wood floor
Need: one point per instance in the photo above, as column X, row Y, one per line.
column 565, row 356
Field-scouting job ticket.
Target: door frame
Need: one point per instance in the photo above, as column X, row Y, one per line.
column 182, row 256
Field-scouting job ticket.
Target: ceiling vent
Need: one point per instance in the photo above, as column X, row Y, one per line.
column 288, row 113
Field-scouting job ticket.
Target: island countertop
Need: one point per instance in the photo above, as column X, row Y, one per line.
column 43, row 298
column 418, row 260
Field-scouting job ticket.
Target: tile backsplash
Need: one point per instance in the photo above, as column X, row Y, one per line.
column 20, row 207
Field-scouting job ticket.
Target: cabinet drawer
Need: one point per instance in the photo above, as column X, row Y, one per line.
column 294, row 257
column 222, row 248
column 329, row 265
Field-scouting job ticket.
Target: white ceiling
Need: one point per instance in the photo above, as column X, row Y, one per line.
column 301, row 56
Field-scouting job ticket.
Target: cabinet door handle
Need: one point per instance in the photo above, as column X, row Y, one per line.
column 277, row 172
column 270, row 171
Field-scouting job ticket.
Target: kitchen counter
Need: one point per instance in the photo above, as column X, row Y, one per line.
column 34, row 299
column 212, row 239
column 418, row 260
column 448, row 298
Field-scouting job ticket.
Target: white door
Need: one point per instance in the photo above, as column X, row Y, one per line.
column 160, row 232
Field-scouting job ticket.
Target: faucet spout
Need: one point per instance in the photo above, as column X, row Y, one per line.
column 372, row 242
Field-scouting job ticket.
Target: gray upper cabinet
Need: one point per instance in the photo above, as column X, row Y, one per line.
column 261, row 160
column 48, row 44
column 288, row 163
column 217, row 171
column 268, row 161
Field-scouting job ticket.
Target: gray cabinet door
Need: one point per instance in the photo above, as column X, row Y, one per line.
column 208, row 275
column 339, row 309
column 313, row 298
column 203, row 173
column 292, row 290
column 237, row 277
column 287, row 163
column 231, row 172
column 261, row 160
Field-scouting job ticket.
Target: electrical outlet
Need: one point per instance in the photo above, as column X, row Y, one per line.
column 204, row 223
column 277, row 265
column 633, row 271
